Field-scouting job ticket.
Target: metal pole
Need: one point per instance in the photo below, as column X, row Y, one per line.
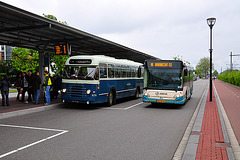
column 231, row 65
column 210, row 63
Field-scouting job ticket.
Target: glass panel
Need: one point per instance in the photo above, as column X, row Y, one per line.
column 110, row 71
column 117, row 72
column 103, row 71
column 123, row 71
column 128, row 72
column 81, row 73
column 168, row 79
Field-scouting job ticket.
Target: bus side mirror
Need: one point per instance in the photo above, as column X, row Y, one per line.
column 185, row 72
column 139, row 72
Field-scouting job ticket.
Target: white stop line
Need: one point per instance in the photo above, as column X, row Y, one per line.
column 34, row 143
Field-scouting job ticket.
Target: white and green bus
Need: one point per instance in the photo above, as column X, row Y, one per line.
column 167, row 81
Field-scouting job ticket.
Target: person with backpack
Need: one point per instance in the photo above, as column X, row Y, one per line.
column 5, row 84
column 47, row 85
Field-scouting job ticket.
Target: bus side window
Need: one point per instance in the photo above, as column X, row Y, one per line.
column 128, row 71
column 103, row 70
column 123, row 71
column 133, row 71
column 117, row 71
column 110, row 71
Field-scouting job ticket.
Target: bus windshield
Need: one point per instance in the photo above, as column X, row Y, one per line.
column 163, row 79
column 81, row 73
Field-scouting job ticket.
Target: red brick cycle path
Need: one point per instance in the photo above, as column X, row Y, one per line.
column 230, row 98
column 209, row 147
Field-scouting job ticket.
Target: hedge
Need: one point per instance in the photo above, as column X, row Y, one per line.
column 231, row 77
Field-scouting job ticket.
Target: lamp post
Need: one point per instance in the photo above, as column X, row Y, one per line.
column 211, row 22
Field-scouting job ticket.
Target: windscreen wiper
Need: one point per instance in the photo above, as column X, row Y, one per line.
column 89, row 74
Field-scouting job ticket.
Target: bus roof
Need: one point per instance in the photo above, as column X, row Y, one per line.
column 96, row 59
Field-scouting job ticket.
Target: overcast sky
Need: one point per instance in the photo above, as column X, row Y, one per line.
column 162, row 28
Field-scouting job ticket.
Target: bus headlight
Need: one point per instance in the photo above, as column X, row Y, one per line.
column 64, row 90
column 145, row 93
column 176, row 95
column 88, row 91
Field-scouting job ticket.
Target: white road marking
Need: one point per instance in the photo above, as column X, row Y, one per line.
column 36, row 128
column 123, row 109
column 133, row 105
column 34, row 143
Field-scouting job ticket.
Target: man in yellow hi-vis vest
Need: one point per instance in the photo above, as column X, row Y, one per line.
column 47, row 85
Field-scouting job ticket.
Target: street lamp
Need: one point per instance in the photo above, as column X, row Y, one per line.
column 211, row 22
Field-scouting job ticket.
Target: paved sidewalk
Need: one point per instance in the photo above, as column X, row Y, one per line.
column 18, row 107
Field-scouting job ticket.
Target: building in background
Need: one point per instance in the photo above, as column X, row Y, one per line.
column 5, row 52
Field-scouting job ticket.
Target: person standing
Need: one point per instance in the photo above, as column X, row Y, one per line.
column 30, row 86
column 58, row 84
column 24, row 86
column 18, row 83
column 36, row 87
column 47, row 85
column 5, row 84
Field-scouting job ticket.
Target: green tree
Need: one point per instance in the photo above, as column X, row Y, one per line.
column 52, row 17
column 25, row 59
column 203, row 66
column 57, row 62
column 181, row 59
column 6, row 68
column 215, row 73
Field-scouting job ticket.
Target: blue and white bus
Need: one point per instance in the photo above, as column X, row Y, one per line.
column 167, row 81
column 92, row 79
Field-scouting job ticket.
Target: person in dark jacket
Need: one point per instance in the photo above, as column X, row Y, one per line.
column 24, row 85
column 56, row 86
column 18, row 83
column 30, row 86
column 36, row 87
column 5, row 84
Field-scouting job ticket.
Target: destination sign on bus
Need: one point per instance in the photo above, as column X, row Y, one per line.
column 80, row 61
column 171, row 64
column 161, row 64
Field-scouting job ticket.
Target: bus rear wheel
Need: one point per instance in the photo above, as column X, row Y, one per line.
column 111, row 98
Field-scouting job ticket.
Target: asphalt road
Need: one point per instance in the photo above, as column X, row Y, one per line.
column 129, row 130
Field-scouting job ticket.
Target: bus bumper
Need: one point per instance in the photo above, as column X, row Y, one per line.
column 84, row 100
column 180, row 100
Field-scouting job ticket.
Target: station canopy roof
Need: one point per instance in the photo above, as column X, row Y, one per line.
column 21, row 28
